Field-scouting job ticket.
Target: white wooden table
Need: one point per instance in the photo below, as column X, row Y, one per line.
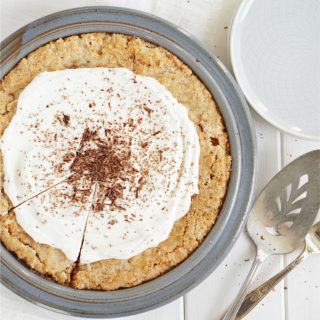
column 296, row 298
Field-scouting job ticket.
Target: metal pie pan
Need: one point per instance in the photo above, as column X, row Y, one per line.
column 123, row 302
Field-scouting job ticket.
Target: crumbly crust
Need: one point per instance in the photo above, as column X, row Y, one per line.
column 144, row 58
column 49, row 261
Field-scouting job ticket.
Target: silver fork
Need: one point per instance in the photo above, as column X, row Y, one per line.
column 282, row 215
column 312, row 245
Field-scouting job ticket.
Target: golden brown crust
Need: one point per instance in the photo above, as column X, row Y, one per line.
column 46, row 260
column 5, row 203
column 105, row 50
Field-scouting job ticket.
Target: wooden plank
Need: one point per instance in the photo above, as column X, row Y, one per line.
column 215, row 17
column 212, row 297
column 302, row 286
column 16, row 13
column 15, row 308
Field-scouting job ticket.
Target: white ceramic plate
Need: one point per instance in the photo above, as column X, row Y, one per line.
column 275, row 55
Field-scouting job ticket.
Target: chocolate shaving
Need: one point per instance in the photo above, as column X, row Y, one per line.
column 119, row 207
column 148, row 110
column 66, row 119
column 141, row 183
column 160, row 154
column 100, row 163
column 130, row 122
column 68, row 157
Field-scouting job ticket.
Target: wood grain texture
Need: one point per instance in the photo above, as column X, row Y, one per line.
column 302, row 293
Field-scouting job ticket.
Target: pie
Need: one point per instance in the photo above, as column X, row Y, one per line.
column 81, row 165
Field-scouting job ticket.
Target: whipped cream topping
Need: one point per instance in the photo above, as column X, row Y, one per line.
column 117, row 150
column 52, row 218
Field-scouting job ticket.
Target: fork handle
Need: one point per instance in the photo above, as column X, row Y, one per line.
column 260, row 258
column 255, row 296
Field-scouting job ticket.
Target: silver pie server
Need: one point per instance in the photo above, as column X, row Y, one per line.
column 311, row 246
column 282, row 215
